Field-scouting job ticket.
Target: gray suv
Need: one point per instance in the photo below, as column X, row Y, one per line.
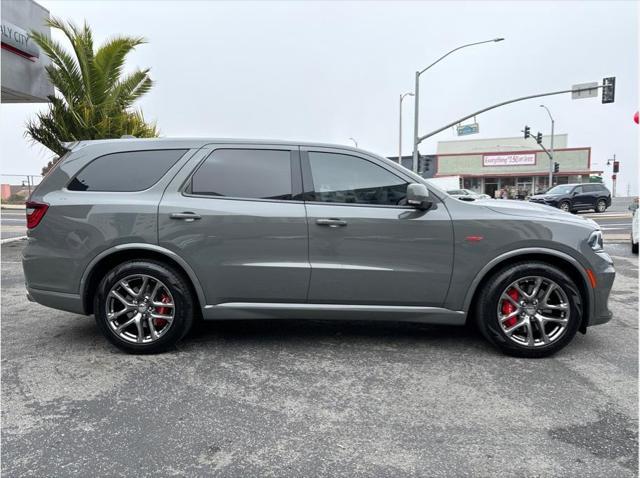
column 150, row 235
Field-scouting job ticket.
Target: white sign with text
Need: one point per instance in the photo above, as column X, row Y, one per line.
column 509, row 160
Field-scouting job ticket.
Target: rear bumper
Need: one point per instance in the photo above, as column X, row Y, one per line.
column 56, row 300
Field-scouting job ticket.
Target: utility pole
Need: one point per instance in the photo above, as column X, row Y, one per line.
column 400, row 128
column 614, row 176
column 416, row 138
column 552, row 156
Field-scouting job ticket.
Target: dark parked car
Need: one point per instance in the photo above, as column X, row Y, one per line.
column 576, row 197
column 150, row 235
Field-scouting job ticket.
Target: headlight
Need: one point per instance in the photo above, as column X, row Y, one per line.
column 595, row 241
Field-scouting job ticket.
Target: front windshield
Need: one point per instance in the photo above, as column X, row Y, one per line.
column 564, row 189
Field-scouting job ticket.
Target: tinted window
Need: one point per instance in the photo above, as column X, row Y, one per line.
column 347, row 179
column 245, row 173
column 565, row 189
column 590, row 188
column 127, row 171
column 577, row 190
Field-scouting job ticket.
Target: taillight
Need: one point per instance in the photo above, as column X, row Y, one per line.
column 35, row 213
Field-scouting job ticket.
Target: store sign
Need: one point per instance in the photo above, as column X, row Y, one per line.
column 509, row 160
column 17, row 40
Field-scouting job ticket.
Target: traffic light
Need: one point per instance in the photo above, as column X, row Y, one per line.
column 616, row 166
column 527, row 132
column 423, row 164
column 539, row 138
column 556, row 167
column 608, row 89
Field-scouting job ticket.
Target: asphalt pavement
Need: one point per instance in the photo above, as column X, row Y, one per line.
column 13, row 223
column 315, row 398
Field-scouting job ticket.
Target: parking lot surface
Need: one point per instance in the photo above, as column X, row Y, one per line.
column 315, row 398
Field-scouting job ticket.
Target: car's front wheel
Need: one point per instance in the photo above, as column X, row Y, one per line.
column 565, row 206
column 529, row 309
column 144, row 306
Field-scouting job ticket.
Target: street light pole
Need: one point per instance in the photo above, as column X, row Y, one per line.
column 416, row 138
column 552, row 157
column 400, row 129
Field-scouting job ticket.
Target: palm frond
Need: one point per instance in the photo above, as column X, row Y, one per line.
column 94, row 97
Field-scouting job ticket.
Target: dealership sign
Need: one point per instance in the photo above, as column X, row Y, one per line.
column 17, row 41
column 509, row 160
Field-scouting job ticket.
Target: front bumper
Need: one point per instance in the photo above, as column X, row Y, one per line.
column 547, row 202
column 605, row 274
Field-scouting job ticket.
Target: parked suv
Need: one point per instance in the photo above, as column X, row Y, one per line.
column 576, row 197
column 149, row 235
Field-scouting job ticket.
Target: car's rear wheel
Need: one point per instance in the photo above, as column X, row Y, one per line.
column 529, row 309
column 634, row 246
column 565, row 206
column 601, row 205
column 144, row 306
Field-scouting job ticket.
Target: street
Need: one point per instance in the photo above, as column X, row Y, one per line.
column 13, row 223
column 315, row 398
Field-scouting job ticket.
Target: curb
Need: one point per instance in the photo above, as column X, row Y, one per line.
column 12, row 239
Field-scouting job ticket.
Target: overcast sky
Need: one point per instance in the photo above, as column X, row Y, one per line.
column 329, row 71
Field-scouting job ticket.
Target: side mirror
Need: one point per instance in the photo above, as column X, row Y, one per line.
column 418, row 196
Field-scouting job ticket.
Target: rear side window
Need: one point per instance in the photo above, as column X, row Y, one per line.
column 125, row 172
column 590, row 188
column 244, row 173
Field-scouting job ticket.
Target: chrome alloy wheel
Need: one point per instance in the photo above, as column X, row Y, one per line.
column 140, row 309
column 533, row 311
column 564, row 206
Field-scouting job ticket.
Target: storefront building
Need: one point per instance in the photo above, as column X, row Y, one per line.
column 24, row 78
column 517, row 172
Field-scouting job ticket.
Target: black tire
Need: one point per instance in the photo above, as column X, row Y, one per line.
column 179, row 290
column 487, row 308
column 634, row 247
column 565, row 206
column 601, row 205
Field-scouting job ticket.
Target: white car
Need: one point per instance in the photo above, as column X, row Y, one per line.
column 634, row 226
column 467, row 194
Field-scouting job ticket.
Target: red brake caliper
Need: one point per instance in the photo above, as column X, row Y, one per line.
column 508, row 308
column 163, row 311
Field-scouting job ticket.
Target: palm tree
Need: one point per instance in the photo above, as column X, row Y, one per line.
column 95, row 97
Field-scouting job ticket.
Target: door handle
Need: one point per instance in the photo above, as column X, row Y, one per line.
column 331, row 222
column 185, row 216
